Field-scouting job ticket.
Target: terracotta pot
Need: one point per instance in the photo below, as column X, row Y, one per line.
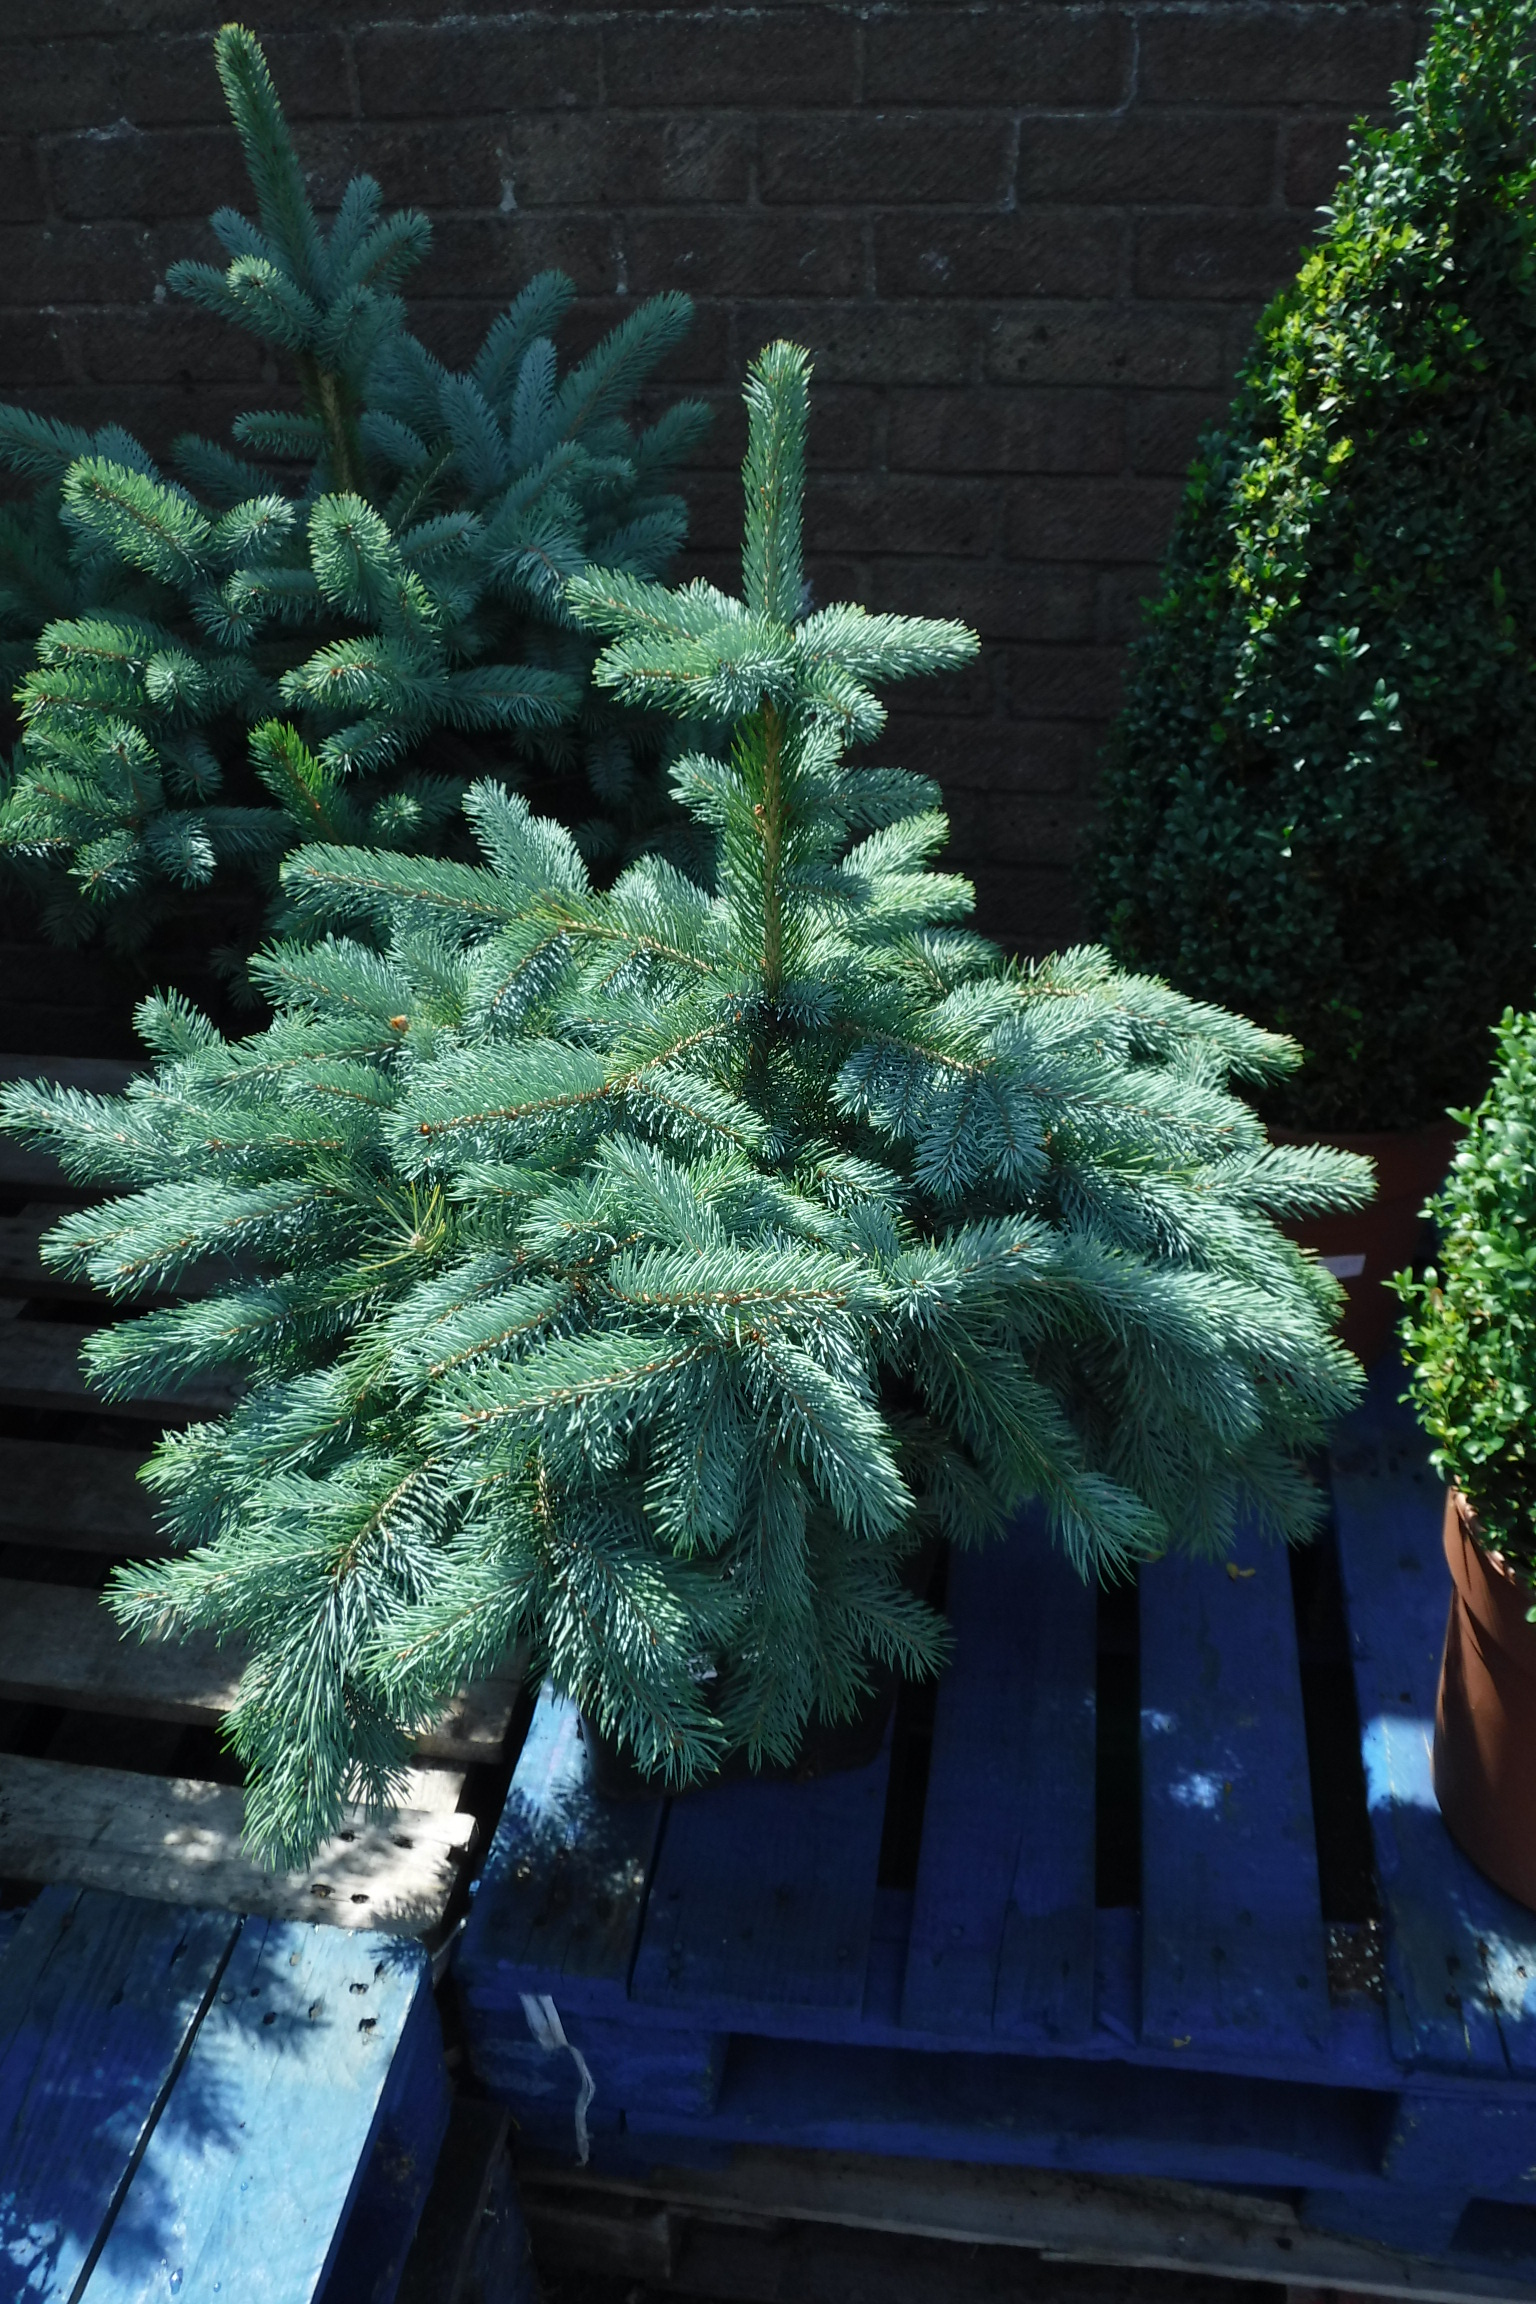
column 1365, row 1246
column 1485, row 1715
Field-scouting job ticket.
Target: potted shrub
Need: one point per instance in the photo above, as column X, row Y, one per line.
column 315, row 635
column 649, row 1272
column 1470, row 1342
column 1319, row 805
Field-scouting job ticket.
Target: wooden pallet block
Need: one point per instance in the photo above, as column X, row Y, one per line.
column 158, row 2066
column 730, row 1973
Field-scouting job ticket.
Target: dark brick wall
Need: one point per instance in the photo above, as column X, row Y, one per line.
column 1026, row 243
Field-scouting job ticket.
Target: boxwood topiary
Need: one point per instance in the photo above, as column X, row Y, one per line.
column 1470, row 1338
column 1320, row 801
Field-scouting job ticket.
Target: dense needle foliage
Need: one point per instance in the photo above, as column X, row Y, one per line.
column 1320, row 803
column 647, row 1271
column 1470, row 1338
column 248, row 653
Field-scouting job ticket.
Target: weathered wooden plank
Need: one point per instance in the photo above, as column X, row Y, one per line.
column 178, row 1841
column 564, row 1881
column 1137, row 2224
column 1461, row 1957
column 98, row 1999
column 40, row 1368
column 24, row 1274
column 1233, row 1950
column 59, row 1645
column 75, row 1498
column 22, row 1168
column 1002, row 1925
column 247, row 2178
column 764, row 1898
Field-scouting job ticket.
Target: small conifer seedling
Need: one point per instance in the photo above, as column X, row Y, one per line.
column 316, row 637
column 647, row 1272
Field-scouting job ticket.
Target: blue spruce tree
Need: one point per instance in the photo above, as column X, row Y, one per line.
column 647, row 1272
column 321, row 635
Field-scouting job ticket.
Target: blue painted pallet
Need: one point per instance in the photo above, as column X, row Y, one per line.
column 665, row 1980
column 197, row 2106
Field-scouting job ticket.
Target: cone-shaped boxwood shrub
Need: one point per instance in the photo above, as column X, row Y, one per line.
column 1320, row 804
column 1470, row 1338
column 317, row 637
column 647, row 1272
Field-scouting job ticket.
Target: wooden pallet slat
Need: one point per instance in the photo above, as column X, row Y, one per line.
column 40, row 1368
column 1461, row 1955
column 59, row 1645
column 98, row 2000
column 249, row 2173
column 764, row 1897
column 73, row 1499
column 174, row 1839
column 1003, row 1916
column 1233, row 1949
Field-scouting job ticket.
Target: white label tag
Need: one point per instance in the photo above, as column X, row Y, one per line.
column 1344, row 1267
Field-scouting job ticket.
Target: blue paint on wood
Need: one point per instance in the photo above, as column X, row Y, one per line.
column 1416, row 2222
column 764, row 1897
column 99, row 1997
column 1233, row 1949
column 1036, row 2111
column 396, row 2175
column 247, row 2179
column 1002, row 1924
column 558, row 1903
column 1461, row 1956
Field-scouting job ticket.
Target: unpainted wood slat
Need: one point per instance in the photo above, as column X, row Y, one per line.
column 23, row 1167
column 98, row 1999
column 1233, row 1951
column 40, row 1368
column 73, row 1498
column 60, row 1645
column 1002, row 1923
column 176, row 1840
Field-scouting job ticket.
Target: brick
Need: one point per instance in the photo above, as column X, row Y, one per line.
column 1120, row 608
column 21, row 185
column 34, row 349
column 988, row 429
column 1107, row 344
column 1090, row 519
column 626, row 158
column 1029, row 253
column 891, row 158
column 1163, row 428
column 846, row 427
column 1282, row 55
column 888, row 512
column 157, row 83
column 791, row 253
column 1029, row 828
column 704, row 355
column 1029, row 911
column 131, row 172
column 1064, row 683
column 871, row 343
column 100, row 263
column 1005, row 757
column 1217, row 256
column 494, row 256
column 724, row 56
column 168, row 344
column 1001, row 601
column 1149, row 156
column 1313, row 158
column 410, row 72
column 1004, row 54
